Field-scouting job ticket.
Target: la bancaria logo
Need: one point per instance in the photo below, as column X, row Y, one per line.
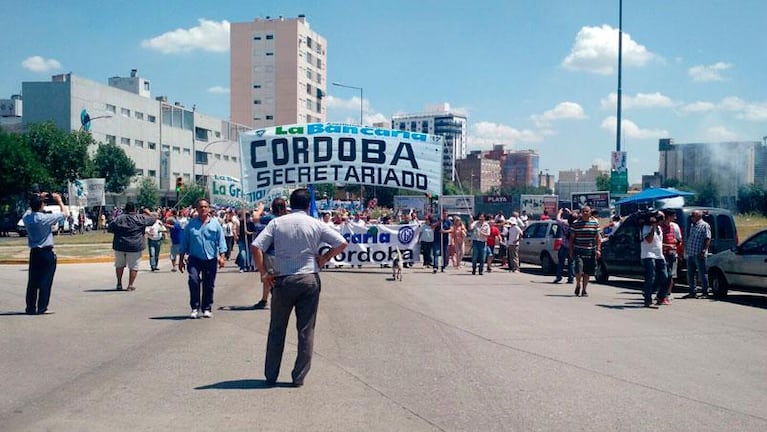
column 406, row 234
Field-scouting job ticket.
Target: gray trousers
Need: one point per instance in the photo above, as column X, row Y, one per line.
column 301, row 292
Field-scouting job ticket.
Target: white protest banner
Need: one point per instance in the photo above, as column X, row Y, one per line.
column 87, row 192
column 289, row 156
column 224, row 191
column 376, row 244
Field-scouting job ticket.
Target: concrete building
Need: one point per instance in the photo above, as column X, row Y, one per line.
column 278, row 72
column 166, row 141
column 729, row 165
column 439, row 120
column 579, row 175
column 11, row 113
column 521, row 168
column 478, row 172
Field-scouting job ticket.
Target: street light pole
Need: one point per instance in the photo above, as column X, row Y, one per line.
column 206, row 158
column 337, row 84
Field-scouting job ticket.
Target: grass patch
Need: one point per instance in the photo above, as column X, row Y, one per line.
column 749, row 224
column 90, row 237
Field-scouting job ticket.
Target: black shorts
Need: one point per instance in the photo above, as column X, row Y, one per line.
column 585, row 264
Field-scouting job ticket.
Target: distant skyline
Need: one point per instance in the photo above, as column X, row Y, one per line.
column 528, row 74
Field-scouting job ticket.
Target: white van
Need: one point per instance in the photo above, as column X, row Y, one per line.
column 74, row 211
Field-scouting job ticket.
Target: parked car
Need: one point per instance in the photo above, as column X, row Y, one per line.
column 74, row 211
column 743, row 267
column 620, row 252
column 540, row 244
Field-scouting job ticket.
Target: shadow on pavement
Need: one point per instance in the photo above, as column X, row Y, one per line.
column 244, row 384
column 238, row 308
column 171, row 318
column 104, row 290
column 631, row 305
column 12, row 313
column 744, row 299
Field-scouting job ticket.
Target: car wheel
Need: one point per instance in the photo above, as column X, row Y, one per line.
column 601, row 275
column 547, row 264
column 718, row 284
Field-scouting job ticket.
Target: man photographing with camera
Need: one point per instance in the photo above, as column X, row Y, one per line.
column 42, row 259
column 653, row 260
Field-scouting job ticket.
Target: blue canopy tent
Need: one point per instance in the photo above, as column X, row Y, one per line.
column 653, row 194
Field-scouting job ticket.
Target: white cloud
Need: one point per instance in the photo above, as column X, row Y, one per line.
column 699, row 107
column 563, row 110
column 629, row 129
column 40, row 64
column 706, row 73
column 350, row 108
column 732, row 103
column 218, row 90
column 719, row 134
column 755, row 112
column 208, row 36
column 596, row 50
column 640, row 101
column 483, row 135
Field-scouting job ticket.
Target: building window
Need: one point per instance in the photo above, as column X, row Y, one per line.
column 270, row 117
column 125, row 141
column 308, row 88
column 269, row 37
column 200, row 157
column 111, row 139
column 217, row 134
column 257, row 37
column 176, row 149
column 256, row 101
column 319, row 106
column 269, row 54
column 151, row 118
column 146, row 85
column 152, row 146
column 256, row 86
column 139, row 143
column 218, row 156
column 139, row 115
column 112, row 109
column 152, row 173
column 308, row 103
column 401, row 126
column 226, row 157
column 234, row 159
column 319, row 78
column 308, row 42
column 125, row 112
column 187, row 151
column 139, row 172
column 166, row 147
column 319, row 63
column 412, row 126
column 309, row 58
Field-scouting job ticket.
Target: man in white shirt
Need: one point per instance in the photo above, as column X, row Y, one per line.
column 651, row 252
column 512, row 246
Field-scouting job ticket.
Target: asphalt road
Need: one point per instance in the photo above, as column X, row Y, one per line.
column 444, row 352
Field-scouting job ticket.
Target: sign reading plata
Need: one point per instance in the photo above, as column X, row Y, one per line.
column 288, row 156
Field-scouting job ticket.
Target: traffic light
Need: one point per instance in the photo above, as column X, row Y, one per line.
column 179, row 184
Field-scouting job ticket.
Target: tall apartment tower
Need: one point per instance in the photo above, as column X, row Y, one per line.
column 278, row 72
column 439, row 120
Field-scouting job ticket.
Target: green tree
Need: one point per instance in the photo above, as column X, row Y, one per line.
column 111, row 163
column 752, row 198
column 707, row 194
column 68, row 157
column 19, row 168
column 191, row 194
column 603, row 182
column 148, row 193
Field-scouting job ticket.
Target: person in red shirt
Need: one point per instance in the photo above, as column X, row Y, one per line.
column 493, row 239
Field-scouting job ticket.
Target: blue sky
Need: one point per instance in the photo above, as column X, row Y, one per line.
column 529, row 74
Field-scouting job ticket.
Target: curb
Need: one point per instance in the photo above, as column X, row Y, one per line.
column 76, row 260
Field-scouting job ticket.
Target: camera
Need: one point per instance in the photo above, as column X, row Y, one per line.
column 649, row 217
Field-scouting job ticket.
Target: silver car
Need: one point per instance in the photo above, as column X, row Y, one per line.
column 743, row 267
column 540, row 244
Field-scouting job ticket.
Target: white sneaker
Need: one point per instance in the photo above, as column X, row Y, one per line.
column 195, row 314
column 207, row 314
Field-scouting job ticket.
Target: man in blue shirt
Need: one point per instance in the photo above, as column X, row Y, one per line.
column 203, row 240
column 42, row 259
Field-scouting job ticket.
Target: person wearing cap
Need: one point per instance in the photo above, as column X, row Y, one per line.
column 42, row 259
column 514, row 235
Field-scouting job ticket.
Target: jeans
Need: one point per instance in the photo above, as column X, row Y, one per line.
column 243, row 256
column 654, row 274
column 439, row 248
column 154, row 252
column 697, row 264
column 229, row 246
column 202, row 274
column 427, row 249
column 478, row 249
column 563, row 254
